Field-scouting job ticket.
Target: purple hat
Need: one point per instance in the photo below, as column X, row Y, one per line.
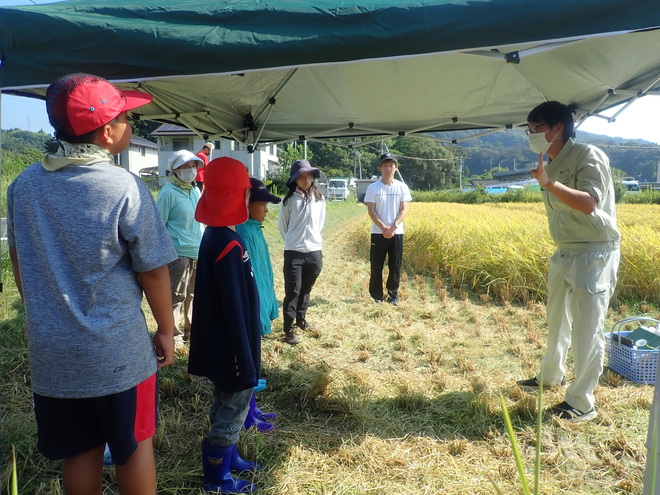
column 259, row 192
column 299, row 167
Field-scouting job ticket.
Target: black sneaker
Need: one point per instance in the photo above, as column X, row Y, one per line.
column 564, row 410
column 534, row 383
column 394, row 301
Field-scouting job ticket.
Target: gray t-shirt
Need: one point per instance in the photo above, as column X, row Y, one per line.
column 81, row 234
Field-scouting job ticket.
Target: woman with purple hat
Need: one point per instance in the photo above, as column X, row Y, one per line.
column 300, row 222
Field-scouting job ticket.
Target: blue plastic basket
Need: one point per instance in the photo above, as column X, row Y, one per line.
column 638, row 365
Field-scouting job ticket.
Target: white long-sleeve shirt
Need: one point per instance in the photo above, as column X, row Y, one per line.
column 300, row 223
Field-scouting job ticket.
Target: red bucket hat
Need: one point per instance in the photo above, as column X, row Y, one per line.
column 223, row 200
column 80, row 103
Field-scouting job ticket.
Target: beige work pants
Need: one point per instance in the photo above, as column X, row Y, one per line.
column 580, row 285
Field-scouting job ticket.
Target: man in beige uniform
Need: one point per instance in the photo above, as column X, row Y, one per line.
column 579, row 199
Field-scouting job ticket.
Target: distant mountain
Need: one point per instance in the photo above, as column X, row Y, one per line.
column 20, row 141
column 509, row 149
column 587, row 137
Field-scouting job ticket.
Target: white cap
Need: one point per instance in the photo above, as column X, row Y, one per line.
column 182, row 157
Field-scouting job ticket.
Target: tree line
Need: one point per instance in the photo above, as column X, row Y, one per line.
column 426, row 164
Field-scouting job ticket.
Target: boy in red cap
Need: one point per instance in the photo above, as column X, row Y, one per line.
column 225, row 338
column 85, row 240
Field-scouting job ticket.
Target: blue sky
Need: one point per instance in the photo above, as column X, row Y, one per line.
column 640, row 121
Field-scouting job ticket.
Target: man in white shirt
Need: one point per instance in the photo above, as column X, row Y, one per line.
column 386, row 200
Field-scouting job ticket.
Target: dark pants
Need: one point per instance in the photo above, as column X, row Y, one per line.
column 393, row 249
column 300, row 272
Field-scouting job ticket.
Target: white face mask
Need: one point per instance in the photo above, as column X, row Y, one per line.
column 187, row 174
column 538, row 143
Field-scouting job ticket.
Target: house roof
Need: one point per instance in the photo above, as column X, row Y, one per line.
column 172, row 130
column 510, row 173
column 138, row 141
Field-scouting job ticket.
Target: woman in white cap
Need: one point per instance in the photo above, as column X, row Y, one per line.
column 176, row 203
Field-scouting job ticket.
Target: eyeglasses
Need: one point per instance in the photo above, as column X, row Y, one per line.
column 533, row 129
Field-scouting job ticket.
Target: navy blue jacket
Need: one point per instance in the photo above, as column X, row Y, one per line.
column 225, row 337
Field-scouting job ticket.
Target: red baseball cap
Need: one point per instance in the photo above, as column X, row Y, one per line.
column 80, row 103
column 223, row 200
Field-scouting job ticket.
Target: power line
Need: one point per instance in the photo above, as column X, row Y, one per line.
column 372, row 148
column 427, row 159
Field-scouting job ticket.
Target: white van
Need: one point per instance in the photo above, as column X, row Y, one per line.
column 630, row 184
column 338, row 189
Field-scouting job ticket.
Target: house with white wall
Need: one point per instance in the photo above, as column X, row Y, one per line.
column 140, row 154
column 172, row 138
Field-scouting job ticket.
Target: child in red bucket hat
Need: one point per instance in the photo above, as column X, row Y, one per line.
column 225, row 338
column 86, row 241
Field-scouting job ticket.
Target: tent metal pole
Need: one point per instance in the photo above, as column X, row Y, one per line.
column 276, row 93
column 639, row 95
column 173, row 116
column 263, row 126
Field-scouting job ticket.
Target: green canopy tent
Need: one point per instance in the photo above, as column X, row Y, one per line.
column 274, row 71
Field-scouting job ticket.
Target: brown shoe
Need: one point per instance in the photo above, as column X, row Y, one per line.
column 291, row 337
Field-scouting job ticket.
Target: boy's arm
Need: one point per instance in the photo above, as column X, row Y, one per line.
column 156, row 286
column 402, row 213
column 371, row 209
column 230, row 281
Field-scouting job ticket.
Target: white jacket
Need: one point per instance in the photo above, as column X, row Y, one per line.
column 300, row 223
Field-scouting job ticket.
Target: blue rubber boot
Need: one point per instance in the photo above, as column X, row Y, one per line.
column 237, row 463
column 258, row 413
column 252, row 420
column 216, row 464
column 261, row 385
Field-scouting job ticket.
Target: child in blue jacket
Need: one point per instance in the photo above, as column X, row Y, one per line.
column 252, row 233
column 225, row 338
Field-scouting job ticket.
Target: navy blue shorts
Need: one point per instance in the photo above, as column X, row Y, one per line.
column 69, row 427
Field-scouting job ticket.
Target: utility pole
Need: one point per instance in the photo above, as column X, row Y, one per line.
column 460, row 173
